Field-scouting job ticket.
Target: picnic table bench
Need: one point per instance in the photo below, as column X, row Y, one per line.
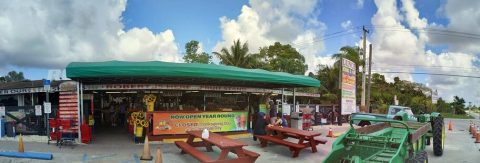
column 305, row 139
column 225, row 144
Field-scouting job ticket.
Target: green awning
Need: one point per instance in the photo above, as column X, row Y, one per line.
column 153, row 69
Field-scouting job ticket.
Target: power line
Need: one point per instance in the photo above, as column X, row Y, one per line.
column 357, row 29
column 426, row 67
column 426, row 73
column 306, row 44
column 425, row 29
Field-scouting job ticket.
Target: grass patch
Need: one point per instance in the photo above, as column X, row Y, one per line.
column 456, row 116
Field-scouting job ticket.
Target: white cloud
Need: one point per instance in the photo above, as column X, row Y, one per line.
column 463, row 16
column 262, row 23
column 49, row 34
column 360, row 3
column 346, row 24
column 404, row 46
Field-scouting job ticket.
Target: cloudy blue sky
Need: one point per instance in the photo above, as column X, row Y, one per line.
column 434, row 36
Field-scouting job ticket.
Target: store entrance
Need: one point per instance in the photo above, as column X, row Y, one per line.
column 109, row 112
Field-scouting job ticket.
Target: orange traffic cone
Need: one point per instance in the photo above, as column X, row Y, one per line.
column 146, row 151
column 330, row 132
column 450, row 127
column 470, row 128
column 474, row 132
column 477, row 140
column 158, row 156
column 21, row 147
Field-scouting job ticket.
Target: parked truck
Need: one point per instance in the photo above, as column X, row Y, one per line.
column 401, row 138
column 394, row 111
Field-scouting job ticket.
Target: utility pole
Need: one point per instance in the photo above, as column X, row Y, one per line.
column 369, row 78
column 362, row 102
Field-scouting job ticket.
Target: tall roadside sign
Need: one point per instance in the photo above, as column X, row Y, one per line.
column 434, row 97
column 348, row 87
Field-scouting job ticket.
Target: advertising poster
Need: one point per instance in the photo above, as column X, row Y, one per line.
column 348, row 80
column 180, row 123
column 262, row 108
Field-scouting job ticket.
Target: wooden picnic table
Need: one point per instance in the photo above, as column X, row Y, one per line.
column 305, row 138
column 225, row 145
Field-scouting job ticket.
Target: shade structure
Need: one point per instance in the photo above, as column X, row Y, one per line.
column 186, row 72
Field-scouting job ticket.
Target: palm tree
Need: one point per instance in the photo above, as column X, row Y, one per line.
column 238, row 56
column 350, row 53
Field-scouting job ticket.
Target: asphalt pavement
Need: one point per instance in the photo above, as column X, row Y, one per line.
column 459, row 148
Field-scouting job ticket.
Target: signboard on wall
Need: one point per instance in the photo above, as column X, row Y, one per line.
column 348, row 87
column 47, row 107
column 180, row 123
column 38, row 110
column 2, row 111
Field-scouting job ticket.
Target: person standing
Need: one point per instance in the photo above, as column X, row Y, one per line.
column 112, row 115
column 123, row 110
column 259, row 126
column 272, row 112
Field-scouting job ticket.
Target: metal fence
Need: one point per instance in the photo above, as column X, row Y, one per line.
column 25, row 121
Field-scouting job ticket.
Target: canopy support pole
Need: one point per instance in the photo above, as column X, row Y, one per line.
column 294, row 102
column 79, row 114
column 248, row 112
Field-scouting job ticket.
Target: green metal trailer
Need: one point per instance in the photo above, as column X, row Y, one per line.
column 389, row 141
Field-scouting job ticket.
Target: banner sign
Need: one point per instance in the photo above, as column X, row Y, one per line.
column 64, row 86
column 348, row 87
column 25, row 90
column 180, row 123
column 190, row 87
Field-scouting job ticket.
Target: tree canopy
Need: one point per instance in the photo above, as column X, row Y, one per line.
column 238, row 55
column 284, row 58
column 192, row 55
column 12, row 76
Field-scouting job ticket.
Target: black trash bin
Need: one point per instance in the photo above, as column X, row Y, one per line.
column 9, row 129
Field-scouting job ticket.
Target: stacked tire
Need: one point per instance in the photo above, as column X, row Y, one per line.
column 438, row 135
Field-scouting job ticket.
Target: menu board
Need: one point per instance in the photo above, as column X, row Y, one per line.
column 68, row 106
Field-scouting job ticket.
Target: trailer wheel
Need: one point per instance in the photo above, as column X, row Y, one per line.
column 364, row 123
column 438, row 136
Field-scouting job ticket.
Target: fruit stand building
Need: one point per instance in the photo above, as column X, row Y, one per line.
column 167, row 99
